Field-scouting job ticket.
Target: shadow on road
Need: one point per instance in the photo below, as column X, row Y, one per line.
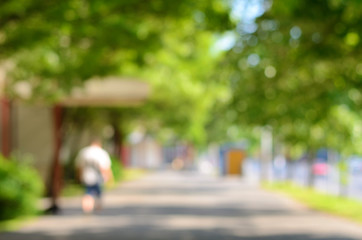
column 164, row 210
column 152, row 223
column 151, row 233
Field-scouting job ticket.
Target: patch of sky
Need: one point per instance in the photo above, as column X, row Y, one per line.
column 295, row 32
column 247, row 10
column 224, row 42
column 244, row 12
column 253, row 59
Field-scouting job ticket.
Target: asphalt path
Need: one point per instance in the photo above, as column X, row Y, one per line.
column 186, row 206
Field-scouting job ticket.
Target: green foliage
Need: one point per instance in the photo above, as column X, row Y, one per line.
column 117, row 169
column 184, row 93
column 298, row 71
column 56, row 46
column 183, row 89
column 20, row 189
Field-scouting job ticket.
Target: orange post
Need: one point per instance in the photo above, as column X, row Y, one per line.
column 234, row 162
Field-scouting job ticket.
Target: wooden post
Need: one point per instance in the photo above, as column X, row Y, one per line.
column 124, row 155
column 123, row 151
column 5, row 127
column 120, row 149
column 117, row 141
column 57, row 172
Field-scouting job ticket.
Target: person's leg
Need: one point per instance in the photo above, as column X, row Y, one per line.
column 88, row 202
column 98, row 195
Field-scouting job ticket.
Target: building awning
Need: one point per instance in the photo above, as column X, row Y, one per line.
column 109, row 91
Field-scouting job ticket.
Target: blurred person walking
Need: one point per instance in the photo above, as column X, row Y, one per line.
column 94, row 167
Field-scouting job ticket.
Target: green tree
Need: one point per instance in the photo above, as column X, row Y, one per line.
column 55, row 46
column 295, row 68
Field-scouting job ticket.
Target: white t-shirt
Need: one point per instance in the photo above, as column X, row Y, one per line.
column 91, row 160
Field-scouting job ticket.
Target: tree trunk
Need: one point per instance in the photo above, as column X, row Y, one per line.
column 117, row 141
column 5, row 127
column 57, row 172
column 119, row 147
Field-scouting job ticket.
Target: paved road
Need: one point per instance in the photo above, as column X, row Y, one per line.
column 185, row 206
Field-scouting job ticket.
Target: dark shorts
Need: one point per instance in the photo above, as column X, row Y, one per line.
column 94, row 190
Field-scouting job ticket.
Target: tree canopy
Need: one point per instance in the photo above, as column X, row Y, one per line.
column 52, row 47
column 297, row 69
column 56, row 45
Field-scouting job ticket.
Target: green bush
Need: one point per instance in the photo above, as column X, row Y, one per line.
column 117, row 168
column 20, row 189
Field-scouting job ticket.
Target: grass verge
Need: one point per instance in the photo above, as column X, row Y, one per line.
column 340, row 206
column 13, row 224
